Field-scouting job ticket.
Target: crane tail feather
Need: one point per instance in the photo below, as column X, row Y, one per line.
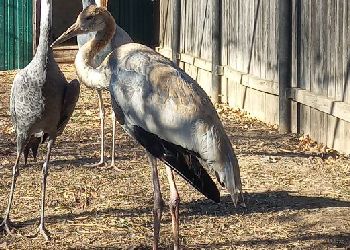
column 181, row 160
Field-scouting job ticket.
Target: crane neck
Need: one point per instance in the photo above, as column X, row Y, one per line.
column 101, row 39
column 84, row 62
column 87, row 3
column 45, row 28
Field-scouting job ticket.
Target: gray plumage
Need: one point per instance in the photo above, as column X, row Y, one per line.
column 41, row 104
column 164, row 109
column 154, row 94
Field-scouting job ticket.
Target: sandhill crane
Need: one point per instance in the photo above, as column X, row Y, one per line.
column 116, row 41
column 41, row 104
column 164, row 109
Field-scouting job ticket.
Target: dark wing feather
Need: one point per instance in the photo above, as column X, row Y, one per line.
column 183, row 161
column 71, row 96
column 33, row 145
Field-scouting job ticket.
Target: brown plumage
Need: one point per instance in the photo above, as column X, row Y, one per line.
column 164, row 109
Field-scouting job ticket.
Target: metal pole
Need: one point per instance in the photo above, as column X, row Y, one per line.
column 216, row 52
column 285, row 64
column 175, row 43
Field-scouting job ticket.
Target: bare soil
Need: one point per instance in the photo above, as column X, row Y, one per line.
column 297, row 192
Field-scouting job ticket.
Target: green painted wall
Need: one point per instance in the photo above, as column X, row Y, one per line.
column 16, row 33
column 136, row 17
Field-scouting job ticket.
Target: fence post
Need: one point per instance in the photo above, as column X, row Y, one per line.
column 216, row 52
column 176, row 29
column 285, row 64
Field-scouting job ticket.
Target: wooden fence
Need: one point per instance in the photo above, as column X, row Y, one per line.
column 319, row 92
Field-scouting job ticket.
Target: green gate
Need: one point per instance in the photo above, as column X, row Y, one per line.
column 16, row 33
column 137, row 17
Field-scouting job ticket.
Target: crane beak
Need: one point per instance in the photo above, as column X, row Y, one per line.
column 72, row 31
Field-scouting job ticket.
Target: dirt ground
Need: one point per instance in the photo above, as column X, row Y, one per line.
column 297, row 192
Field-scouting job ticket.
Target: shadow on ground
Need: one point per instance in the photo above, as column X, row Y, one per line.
column 264, row 202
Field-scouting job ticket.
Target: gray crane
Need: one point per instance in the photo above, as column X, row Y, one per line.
column 41, row 104
column 116, row 41
column 164, row 110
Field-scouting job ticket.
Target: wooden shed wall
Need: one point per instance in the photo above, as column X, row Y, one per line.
column 16, row 29
column 321, row 47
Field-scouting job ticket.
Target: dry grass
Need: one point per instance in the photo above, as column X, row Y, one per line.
column 297, row 196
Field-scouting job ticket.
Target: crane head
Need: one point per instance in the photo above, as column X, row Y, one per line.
column 91, row 19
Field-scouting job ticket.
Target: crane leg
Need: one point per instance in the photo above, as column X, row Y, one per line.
column 113, row 142
column 6, row 223
column 45, row 171
column 174, row 207
column 102, row 135
column 158, row 202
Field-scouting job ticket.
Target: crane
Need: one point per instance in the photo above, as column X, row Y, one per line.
column 116, row 41
column 164, row 110
column 41, row 104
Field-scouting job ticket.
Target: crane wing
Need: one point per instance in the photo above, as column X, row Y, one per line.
column 183, row 161
column 161, row 99
column 71, row 96
column 138, row 104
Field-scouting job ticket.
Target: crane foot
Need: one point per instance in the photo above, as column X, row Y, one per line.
column 115, row 167
column 99, row 164
column 7, row 226
column 44, row 232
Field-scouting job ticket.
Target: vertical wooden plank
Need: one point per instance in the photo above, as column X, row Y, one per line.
column 294, row 120
column 30, row 31
column 12, row 34
column 331, row 49
column 240, row 31
column 186, row 27
column 26, row 27
column 18, row 56
column 267, row 41
column 284, row 64
column 176, row 31
column 294, row 105
column 255, row 68
column 276, row 37
column 339, row 134
column 273, row 39
column 304, row 119
column 346, row 148
column 346, row 50
column 248, row 35
column 252, row 45
column 338, row 46
column 263, row 39
column 307, row 66
column 2, row 38
column 314, row 46
column 331, row 131
column 259, row 39
column 7, row 37
column 320, row 72
column 224, row 33
column 294, row 47
column 316, row 126
column 236, row 52
column 331, row 67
